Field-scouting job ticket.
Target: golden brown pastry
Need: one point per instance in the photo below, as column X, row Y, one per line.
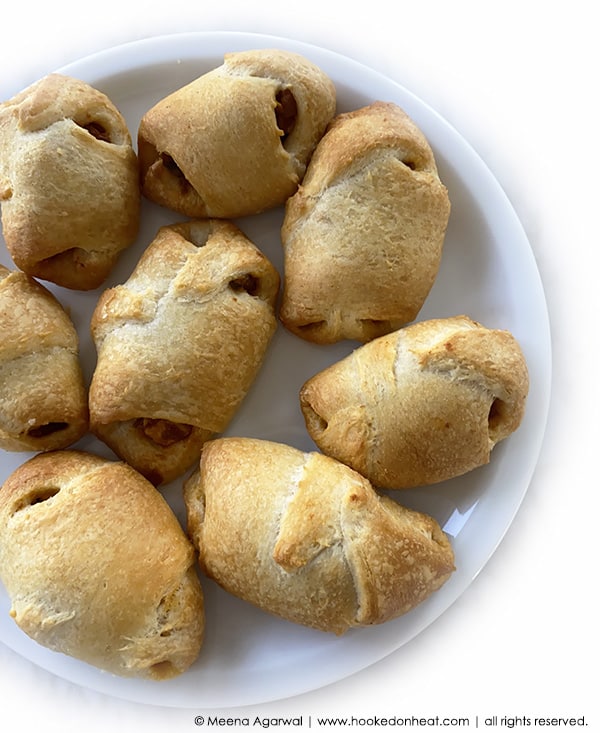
column 179, row 345
column 43, row 400
column 97, row 566
column 235, row 141
column 308, row 539
column 69, row 185
column 420, row 405
column 363, row 235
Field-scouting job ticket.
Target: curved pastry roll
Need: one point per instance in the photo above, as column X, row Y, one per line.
column 69, row 184
column 43, row 400
column 421, row 405
column 306, row 538
column 235, row 141
column 179, row 345
column 97, row 566
column 363, row 235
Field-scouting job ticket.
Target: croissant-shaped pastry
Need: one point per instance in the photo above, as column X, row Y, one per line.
column 98, row 567
column 363, row 235
column 69, row 185
column 179, row 345
column 43, row 400
column 235, row 141
column 420, row 405
column 308, row 539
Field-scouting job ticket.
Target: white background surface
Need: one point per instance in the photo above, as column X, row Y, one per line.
column 518, row 81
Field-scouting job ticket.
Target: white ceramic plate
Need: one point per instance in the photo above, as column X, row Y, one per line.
column 488, row 272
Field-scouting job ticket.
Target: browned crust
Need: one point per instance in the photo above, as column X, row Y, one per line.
column 98, row 567
column 420, row 405
column 43, row 399
column 181, row 342
column 68, row 182
column 306, row 538
column 363, row 235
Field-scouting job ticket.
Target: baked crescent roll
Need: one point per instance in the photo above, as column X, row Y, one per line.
column 308, row 539
column 43, row 400
column 69, row 185
column 363, row 235
column 235, row 141
column 97, row 566
column 179, row 345
column 420, row 405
